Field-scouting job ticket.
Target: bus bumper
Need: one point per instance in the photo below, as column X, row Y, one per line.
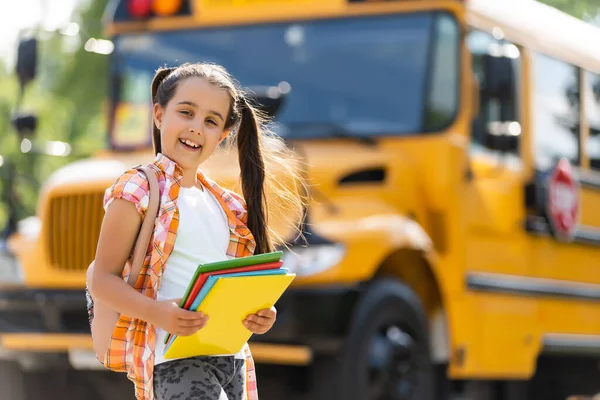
column 310, row 321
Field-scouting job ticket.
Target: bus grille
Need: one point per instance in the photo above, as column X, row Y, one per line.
column 73, row 229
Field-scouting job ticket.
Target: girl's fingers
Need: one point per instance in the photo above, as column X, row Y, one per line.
column 267, row 312
column 254, row 327
column 263, row 321
column 192, row 322
column 189, row 315
column 190, row 330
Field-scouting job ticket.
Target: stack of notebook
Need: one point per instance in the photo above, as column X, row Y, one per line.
column 228, row 291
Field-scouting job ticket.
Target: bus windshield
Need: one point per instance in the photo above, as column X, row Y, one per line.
column 368, row 75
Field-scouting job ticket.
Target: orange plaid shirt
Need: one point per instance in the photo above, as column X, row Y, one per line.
column 132, row 344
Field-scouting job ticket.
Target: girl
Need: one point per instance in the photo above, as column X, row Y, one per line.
column 196, row 107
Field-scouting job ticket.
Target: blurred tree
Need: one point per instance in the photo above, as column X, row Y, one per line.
column 77, row 82
column 4, row 127
column 588, row 10
column 9, row 90
column 82, row 82
column 67, row 96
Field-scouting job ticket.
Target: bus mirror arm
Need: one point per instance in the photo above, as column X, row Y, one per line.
column 475, row 96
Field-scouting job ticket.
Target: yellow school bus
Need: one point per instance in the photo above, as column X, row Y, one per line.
column 452, row 151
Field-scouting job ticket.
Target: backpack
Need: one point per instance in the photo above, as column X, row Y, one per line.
column 102, row 319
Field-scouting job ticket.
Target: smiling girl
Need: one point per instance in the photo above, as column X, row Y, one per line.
column 196, row 107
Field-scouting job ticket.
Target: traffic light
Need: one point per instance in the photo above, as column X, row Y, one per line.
column 27, row 61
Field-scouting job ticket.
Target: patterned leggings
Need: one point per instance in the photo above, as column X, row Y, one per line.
column 200, row 378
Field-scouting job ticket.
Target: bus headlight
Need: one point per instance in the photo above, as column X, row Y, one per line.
column 310, row 260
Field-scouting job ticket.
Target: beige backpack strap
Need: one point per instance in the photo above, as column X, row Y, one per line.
column 143, row 239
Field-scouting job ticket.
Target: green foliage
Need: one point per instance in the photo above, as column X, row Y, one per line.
column 83, row 82
column 67, row 97
column 588, row 10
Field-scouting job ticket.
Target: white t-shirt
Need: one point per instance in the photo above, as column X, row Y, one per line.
column 202, row 237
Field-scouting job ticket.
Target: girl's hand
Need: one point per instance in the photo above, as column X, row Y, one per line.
column 262, row 321
column 177, row 321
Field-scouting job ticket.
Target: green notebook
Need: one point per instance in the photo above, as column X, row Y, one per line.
column 230, row 264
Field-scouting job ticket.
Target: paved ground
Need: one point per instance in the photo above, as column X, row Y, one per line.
column 69, row 384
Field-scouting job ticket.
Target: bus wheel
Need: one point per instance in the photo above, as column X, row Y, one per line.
column 11, row 381
column 386, row 356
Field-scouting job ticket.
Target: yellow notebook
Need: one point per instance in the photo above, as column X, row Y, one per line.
column 227, row 304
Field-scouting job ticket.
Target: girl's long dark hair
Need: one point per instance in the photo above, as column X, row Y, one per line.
column 259, row 151
column 159, row 77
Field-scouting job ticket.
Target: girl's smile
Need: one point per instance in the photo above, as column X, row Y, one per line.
column 190, row 145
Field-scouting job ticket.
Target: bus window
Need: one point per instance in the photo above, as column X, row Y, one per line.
column 443, row 93
column 132, row 105
column 592, row 106
column 367, row 75
column 492, row 109
column 556, row 111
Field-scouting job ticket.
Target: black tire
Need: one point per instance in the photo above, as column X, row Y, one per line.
column 99, row 385
column 48, row 384
column 389, row 317
column 19, row 384
column 61, row 383
column 559, row 377
column 11, row 381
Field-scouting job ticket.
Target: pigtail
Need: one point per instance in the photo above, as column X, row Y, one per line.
column 159, row 77
column 252, row 169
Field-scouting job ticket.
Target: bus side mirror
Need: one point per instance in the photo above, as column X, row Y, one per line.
column 503, row 136
column 501, row 80
column 26, row 61
column 501, row 86
column 269, row 99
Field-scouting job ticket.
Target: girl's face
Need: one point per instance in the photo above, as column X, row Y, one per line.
column 193, row 123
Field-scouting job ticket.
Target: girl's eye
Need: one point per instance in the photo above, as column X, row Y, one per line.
column 212, row 122
column 185, row 112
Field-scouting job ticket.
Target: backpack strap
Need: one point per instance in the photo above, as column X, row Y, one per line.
column 143, row 239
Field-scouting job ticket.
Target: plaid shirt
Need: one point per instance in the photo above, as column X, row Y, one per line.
column 132, row 344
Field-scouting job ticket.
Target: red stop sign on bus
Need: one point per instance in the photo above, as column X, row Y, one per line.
column 563, row 201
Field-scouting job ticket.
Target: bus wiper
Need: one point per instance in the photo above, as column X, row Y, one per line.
column 324, row 130
column 346, row 134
